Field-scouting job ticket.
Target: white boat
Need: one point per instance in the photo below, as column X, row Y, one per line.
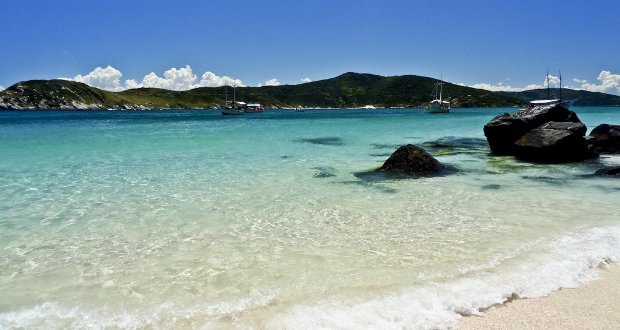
column 438, row 105
column 549, row 101
column 254, row 107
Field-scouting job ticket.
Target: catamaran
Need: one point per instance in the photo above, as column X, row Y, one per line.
column 438, row 105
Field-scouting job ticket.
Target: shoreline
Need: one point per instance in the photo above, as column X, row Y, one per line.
column 593, row 305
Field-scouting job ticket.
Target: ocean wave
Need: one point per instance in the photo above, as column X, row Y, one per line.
column 561, row 262
column 564, row 262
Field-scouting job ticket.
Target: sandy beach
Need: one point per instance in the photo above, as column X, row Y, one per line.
column 591, row 306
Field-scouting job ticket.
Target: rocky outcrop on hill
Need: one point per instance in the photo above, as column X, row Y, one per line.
column 59, row 94
column 411, row 160
column 605, row 138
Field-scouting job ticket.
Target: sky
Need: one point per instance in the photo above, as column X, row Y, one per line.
column 497, row 45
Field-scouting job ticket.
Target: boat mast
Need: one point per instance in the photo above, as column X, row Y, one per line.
column 440, row 88
column 548, row 89
column 560, row 73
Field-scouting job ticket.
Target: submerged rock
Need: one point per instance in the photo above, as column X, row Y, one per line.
column 451, row 145
column 612, row 171
column 504, row 130
column 605, row 138
column 324, row 172
column 411, row 160
column 328, row 141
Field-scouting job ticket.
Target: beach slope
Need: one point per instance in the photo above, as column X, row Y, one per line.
column 596, row 305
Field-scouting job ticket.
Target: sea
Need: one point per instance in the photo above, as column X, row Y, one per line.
column 189, row 219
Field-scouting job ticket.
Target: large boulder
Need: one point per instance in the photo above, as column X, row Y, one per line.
column 605, row 138
column 504, row 130
column 411, row 160
column 554, row 142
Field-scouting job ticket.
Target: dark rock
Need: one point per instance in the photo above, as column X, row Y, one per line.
column 503, row 130
column 554, row 142
column 614, row 171
column 605, row 138
column 411, row 160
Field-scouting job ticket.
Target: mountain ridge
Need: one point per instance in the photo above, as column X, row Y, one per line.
column 346, row 90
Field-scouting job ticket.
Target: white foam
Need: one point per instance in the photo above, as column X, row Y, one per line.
column 53, row 315
column 567, row 261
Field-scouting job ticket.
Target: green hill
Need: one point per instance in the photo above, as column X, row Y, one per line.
column 347, row 90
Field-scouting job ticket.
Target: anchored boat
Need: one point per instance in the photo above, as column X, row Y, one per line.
column 438, row 105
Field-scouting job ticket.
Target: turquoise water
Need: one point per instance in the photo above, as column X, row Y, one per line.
column 190, row 219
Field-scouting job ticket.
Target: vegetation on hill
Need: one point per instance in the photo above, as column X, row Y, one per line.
column 347, row 90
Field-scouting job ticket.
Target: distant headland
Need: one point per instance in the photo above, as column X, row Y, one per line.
column 348, row 90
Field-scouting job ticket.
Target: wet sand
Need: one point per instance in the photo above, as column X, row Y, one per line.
column 595, row 305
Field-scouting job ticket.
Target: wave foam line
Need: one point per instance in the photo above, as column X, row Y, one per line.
column 567, row 261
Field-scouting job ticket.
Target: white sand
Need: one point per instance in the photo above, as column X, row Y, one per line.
column 596, row 305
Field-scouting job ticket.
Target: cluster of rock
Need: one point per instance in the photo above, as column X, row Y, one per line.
column 551, row 134
column 548, row 134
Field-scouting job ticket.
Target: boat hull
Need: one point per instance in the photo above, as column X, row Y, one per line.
column 435, row 108
column 232, row 112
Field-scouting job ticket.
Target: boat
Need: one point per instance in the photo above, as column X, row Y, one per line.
column 549, row 101
column 254, row 107
column 233, row 107
column 438, row 105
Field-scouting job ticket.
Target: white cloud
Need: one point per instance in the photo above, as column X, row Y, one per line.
column 1, row 88
column 173, row 79
column 608, row 83
column 270, row 82
column 130, row 83
column 181, row 79
column 500, row 87
column 107, row 78
column 305, row 80
column 210, row 79
column 496, row 88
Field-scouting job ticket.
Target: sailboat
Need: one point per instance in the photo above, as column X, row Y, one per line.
column 234, row 107
column 438, row 105
column 549, row 101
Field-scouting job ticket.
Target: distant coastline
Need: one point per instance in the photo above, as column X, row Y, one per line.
column 349, row 90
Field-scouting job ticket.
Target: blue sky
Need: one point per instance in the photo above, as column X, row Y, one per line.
column 469, row 42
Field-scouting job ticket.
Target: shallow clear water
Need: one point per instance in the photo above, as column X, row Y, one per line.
column 192, row 219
